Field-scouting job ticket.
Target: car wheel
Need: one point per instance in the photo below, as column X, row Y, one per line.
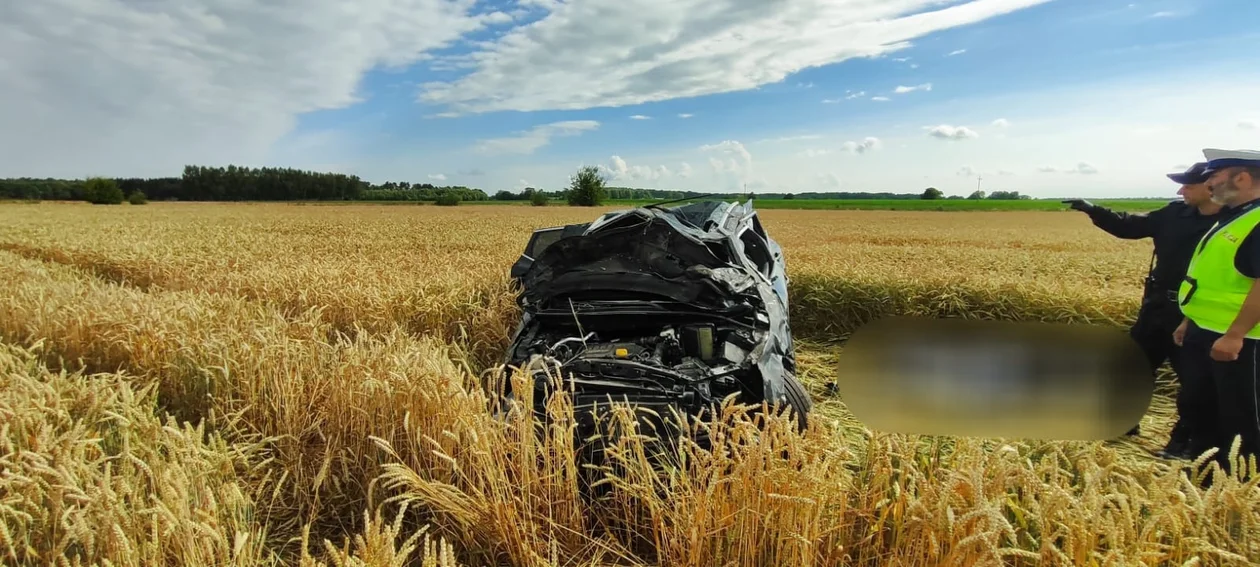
column 799, row 400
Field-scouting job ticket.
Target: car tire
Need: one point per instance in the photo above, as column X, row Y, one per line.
column 798, row 399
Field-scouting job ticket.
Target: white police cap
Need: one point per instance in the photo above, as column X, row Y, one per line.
column 1218, row 159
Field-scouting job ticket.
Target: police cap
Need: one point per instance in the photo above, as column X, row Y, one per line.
column 1218, row 159
column 1193, row 176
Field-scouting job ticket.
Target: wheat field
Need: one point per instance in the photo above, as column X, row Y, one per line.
column 277, row 384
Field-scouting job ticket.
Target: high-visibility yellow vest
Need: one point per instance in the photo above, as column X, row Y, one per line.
column 1213, row 290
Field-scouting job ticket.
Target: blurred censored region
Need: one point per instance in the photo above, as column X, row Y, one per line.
column 972, row 378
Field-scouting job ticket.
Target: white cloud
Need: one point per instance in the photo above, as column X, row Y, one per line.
column 684, row 169
column 923, row 87
column 1084, row 168
column 815, row 152
column 640, row 117
column 797, row 138
column 735, row 172
column 163, row 83
column 685, row 115
column 498, row 18
column 1164, row 14
column 880, row 98
column 828, row 181
column 956, row 52
column 1001, row 123
column 868, row 144
column 947, row 132
column 619, row 170
column 848, row 95
column 528, row 141
column 1004, row 172
column 548, row 65
column 437, row 176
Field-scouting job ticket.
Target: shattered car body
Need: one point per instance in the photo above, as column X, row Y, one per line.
column 660, row 307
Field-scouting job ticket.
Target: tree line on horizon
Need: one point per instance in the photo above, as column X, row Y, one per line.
column 237, row 183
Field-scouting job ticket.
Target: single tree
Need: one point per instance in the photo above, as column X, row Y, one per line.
column 586, row 189
column 102, row 191
column 932, row 193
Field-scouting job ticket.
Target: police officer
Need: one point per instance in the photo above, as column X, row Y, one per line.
column 1174, row 230
column 1221, row 303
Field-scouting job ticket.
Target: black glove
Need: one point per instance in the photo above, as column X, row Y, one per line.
column 1080, row 205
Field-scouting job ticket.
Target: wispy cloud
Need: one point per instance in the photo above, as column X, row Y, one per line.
column 790, row 138
column 1001, row 123
column 640, row 117
column 904, row 90
column 868, row 144
column 1084, row 168
column 956, row 52
column 951, row 133
column 880, row 98
column 437, row 176
column 528, row 141
column 685, row 115
column 848, row 95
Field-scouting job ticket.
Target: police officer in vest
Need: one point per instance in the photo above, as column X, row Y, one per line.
column 1221, row 303
column 1174, row 230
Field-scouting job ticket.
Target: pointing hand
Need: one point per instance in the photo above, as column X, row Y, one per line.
column 1079, row 204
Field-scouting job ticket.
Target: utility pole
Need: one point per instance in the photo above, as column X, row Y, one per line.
column 979, row 177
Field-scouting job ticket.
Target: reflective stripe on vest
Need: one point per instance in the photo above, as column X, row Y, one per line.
column 1213, row 291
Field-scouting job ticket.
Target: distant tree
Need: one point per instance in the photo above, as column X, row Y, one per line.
column 447, row 200
column 976, row 195
column 1007, row 196
column 586, row 188
column 789, row 196
column 538, row 199
column 102, row 191
column 932, row 193
column 137, row 198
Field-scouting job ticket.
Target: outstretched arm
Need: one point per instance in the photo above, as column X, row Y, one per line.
column 1130, row 226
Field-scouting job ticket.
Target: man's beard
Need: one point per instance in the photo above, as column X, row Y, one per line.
column 1223, row 193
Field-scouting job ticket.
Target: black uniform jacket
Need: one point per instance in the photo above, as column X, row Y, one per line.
column 1176, row 229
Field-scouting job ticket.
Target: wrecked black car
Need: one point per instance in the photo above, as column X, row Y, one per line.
column 658, row 306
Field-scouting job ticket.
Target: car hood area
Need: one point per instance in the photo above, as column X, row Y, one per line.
column 689, row 255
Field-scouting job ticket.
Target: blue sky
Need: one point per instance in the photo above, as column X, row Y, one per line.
column 1047, row 97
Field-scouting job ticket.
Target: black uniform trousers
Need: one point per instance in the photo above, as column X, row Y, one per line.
column 1153, row 332
column 1224, row 397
